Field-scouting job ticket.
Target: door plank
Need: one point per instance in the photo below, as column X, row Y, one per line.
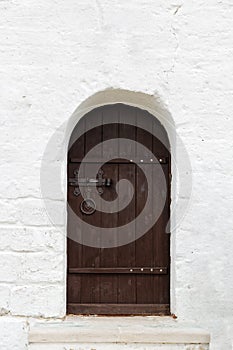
column 108, row 256
column 90, row 285
column 126, row 253
column 145, row 290
column 119, row 309
column 74, row 249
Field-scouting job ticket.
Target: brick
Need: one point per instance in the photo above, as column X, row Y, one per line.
column 38, row 300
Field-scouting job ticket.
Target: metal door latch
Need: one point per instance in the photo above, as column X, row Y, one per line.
column 99, row 182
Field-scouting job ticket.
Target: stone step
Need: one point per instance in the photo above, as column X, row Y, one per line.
column 113, row 335
column 113, row 346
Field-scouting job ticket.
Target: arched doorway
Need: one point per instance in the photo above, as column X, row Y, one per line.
column 131, row 274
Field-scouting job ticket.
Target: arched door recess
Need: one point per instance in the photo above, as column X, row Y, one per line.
column 132, row 278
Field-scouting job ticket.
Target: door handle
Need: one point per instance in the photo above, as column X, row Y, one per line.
column 104, row 182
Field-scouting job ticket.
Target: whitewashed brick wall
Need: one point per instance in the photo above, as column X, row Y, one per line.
column 56, row 54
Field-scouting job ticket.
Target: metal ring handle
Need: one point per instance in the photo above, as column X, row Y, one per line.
column 88, row 206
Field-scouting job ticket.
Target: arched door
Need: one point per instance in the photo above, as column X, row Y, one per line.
column 113, row 266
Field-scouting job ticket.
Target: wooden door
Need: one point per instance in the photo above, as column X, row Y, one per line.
column 134, row 278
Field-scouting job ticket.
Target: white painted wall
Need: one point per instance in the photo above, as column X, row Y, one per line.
column 56, row 54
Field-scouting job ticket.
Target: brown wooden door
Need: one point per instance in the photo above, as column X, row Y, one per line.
column 133, row 278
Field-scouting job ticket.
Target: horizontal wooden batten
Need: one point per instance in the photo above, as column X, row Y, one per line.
column 156, row 160
column 118, row 309
column 119, row 270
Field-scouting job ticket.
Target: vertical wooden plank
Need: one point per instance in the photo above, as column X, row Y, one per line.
column 164, row 257
column 90, row 288
column 74, row 288
column 127, row 129
column 74, row 249
column 144, row 244
column 76, row 144
column 161, row 239
column 126, row 253
column 109, row 256
column 157, row 242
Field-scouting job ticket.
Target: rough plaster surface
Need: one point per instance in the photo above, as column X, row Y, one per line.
column 56, row 54
column 13, row 333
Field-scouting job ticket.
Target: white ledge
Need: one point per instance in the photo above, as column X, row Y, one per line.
column 109, row 333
